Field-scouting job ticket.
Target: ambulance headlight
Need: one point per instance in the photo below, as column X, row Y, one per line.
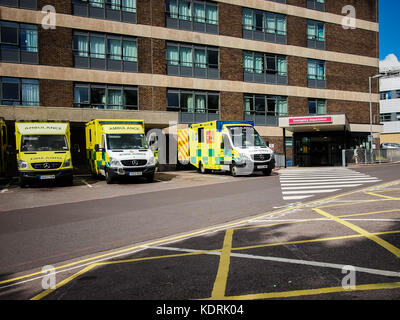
column 151, row 160
column 67, row 163
column 244, row 157
column 23, row 165
column 115, row 163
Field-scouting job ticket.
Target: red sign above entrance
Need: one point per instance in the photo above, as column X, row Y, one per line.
column 310, row 120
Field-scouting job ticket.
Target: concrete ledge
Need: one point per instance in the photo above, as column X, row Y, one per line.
column 153, row 118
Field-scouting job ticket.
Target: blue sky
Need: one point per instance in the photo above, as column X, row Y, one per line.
column 389, row 20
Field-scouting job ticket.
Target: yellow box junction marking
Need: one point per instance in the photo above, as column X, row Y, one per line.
column 391, row 248
column 224, row 268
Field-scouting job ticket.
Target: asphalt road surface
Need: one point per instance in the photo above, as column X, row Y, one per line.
column 48, row 226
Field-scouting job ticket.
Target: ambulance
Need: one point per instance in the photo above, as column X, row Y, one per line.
column 233, row 146
column 3, row 147
column 118, row 148
column 43, row 152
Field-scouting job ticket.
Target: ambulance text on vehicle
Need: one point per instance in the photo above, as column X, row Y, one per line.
column 117, row 148
column 43, row 151
column 233, row 146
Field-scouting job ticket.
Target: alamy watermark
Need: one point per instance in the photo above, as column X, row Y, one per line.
column 49, row 278
column 49, row 20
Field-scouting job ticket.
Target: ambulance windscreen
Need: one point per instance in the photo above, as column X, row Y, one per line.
column 244, row 137
column 126, row 141
column 44, row 143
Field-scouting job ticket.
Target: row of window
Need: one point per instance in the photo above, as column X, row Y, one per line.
column 17, row 91
column 19, row 44
column 199, row 16
column 388, row 117
column 105, row 52
column 388, row 95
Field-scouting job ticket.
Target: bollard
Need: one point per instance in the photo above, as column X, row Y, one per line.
column 344, row 157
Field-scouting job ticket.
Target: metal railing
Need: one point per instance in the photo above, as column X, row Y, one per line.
column 364, row 156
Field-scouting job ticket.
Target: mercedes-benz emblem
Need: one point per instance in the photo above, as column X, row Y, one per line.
column 262, row 157
column 46, row 165
column 134, row 162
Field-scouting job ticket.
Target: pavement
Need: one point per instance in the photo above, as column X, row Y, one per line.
column 344, row 246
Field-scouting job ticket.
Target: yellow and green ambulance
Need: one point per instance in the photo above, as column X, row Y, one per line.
column 118, row 148
column 43, row 151
column 3, row 147
column 233, row 146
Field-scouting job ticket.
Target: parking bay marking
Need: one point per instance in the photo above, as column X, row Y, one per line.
column 128, row 250
column 220, row 290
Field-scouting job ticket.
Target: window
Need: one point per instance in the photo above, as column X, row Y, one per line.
column 316, row 74
column 23, row 4
column 263, row 26
column 193, row 106
column 264, row 109
column 105, row 52
column 316, row 34
column 316, row 5
column 316, row 106
column 118, row 10
column 105, row 97
column 264, row 68
column 192, row 61
column 18, row 42
column 193, row 15
column 388, row 95
column 19, row 92
column 386, row 117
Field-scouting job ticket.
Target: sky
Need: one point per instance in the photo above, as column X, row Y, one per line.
column 389, row 25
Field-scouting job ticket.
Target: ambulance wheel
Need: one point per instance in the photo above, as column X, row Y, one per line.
column 109, row 177
column 69, row 181
column 150, row 178
column 22, row 182
column 202, row 169
column 267, row 172
column 234, row 170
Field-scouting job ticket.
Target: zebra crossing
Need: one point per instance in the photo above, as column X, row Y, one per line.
column 299, row 184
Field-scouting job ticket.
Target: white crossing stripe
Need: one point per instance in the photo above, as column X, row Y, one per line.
column 305, row 183
column 322, row 187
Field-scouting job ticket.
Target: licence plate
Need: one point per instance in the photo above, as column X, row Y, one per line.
column 262, row 167
column 135, row 173
column 48, row 177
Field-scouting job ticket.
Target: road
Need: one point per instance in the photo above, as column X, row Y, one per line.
column 52, row 226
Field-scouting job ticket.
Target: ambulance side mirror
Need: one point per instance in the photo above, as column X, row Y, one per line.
column 96, row 148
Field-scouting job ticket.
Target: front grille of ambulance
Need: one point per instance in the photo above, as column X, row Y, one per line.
column 261, row 157
column 46, row 165
column 134, row 163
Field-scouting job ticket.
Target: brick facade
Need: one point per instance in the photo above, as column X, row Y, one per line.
column 356, row 112
column 231, row 105
column 297, row 71
column 233, row 14
column 151, row 12
column 55, row 47
column 152, row 98
column 296, row 31
column 55, row 93
column 231, row 62
column 349, row 77
column 358, row 41
column 365, row 9
column 151, row 56
column 64, row 7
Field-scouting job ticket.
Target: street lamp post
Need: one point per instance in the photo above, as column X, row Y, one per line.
column 370, row 112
